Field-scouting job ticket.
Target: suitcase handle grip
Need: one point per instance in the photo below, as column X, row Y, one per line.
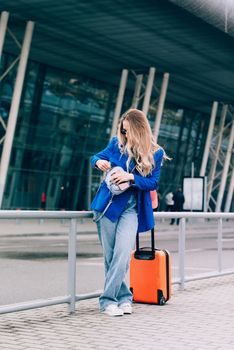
column 152, row 241
column 144, row 255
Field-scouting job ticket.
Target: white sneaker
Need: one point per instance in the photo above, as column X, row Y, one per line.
column 113, row 310
column 126, row 308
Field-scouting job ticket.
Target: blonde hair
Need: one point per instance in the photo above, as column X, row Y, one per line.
column 139, row 143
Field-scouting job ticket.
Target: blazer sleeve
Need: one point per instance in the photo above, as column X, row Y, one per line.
column 150, row 182
column 106, row 153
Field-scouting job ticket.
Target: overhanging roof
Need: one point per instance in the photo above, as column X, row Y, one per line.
column 99, row 38
column 219, row 13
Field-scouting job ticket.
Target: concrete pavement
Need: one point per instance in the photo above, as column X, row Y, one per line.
column 200, row 317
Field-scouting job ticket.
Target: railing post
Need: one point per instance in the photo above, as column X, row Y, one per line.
column 181, row 252
column 72, row 265
column 220, row 248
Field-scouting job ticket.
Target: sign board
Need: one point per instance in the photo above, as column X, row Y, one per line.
column 194, row 193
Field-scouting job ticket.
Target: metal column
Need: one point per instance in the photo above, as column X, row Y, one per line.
column 137, row 91
column 208, row 139
column 6, row 152
column 230, row 193
column 148, row 90
column 119, row 101
column 225, row 170
column 216, row 155
column 3, row 27
column 161, row 105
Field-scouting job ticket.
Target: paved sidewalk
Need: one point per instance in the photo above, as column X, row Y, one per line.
column 200, row 317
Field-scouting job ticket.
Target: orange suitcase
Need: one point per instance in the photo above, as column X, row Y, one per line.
column 150, row 274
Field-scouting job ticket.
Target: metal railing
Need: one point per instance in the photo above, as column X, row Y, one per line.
column 71, row 298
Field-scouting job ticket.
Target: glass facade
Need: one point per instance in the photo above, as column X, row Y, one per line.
column 63, row 120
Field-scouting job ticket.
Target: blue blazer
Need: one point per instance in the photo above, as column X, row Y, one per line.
column 142, row 185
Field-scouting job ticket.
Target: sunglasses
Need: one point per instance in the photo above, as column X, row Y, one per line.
column 123, row 131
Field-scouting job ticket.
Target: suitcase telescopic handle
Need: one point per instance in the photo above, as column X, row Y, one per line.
column 145, row 255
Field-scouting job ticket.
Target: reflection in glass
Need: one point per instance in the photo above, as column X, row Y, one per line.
column 64, row 119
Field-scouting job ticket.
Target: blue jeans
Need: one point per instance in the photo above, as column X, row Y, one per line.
column 118, row 240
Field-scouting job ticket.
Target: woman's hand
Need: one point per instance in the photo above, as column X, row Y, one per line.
column 121, row 176
column 103, row 165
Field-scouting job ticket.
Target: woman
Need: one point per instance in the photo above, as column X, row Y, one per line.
column 135, row 150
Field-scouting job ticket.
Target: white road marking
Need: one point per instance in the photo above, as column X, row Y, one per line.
column 194, row 268
column 226, row 240
column 90, row 263
column 101, row 263
column 194, row 250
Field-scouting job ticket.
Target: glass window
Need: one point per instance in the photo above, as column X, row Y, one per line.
column 64, row 119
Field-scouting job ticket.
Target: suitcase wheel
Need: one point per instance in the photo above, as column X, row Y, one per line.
column 161, row 299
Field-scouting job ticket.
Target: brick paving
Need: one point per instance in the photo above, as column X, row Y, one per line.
column 200, row 317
